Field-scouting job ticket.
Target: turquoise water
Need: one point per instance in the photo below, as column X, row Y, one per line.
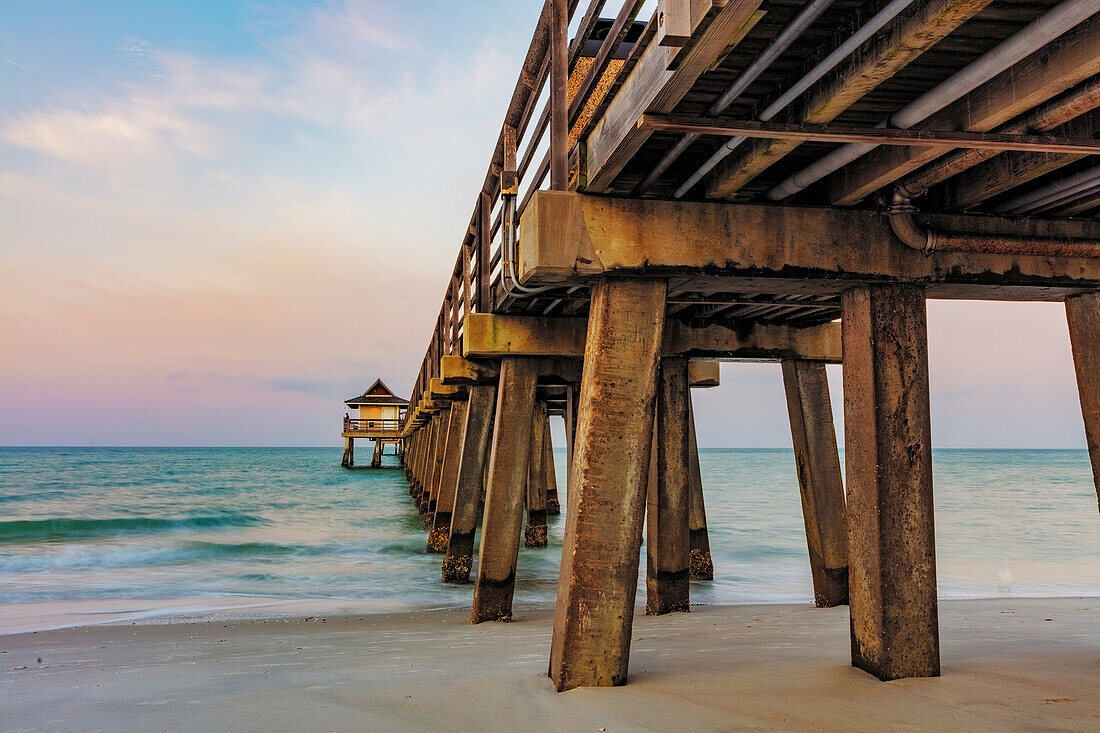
column 131, row 532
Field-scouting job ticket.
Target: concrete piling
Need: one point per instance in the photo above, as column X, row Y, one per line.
column 504, row 497
column 480, row 407
column 535, row 533
column 607, row 488
column 1083, row 314
column 891, row 540
column 700, row 563
column 549, row 474
column 667, row 538
column 348, row 461
column 819, row 478
column 444, row 505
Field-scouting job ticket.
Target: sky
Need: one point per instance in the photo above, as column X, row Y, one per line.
column 220, row 219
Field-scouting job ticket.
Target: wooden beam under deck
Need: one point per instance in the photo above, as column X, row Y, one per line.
column 655, row 87
column 569, row 237
column 914, row 31
column 879, row 135
column 1046, row 73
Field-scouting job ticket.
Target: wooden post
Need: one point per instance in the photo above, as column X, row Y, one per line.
column 503, row 518
column 471, row 470
column 534, row 534
column 549, row 473
column 603, row 528
column 819, row 479
column 667, row 543
column 484, row 247
column 700, row 563
column 1083, row 314
column 559, row 94
column 452, row 455
column 349, row 453
column 376, row 459
column 888, row 454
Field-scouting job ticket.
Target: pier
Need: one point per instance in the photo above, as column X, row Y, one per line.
column 745, row 180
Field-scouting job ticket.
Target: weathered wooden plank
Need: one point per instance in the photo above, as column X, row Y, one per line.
column 1050, row 71
column 653, row 87
column 911, row 33
column 920, row 137
column 1005, row 172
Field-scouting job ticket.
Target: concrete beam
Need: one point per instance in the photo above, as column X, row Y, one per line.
column 703, row 373
column 784, row 249
column 458, row 370
column 437, row 391
column 492, row 335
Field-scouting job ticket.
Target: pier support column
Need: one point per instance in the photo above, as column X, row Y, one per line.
column 349, row 453
column 888, row 455
column 452, row 456
column 549, row 473
column 667, row 541
column 424, row 443
column 376, row 459
column 439, row 450
column 700, row 563
column 819, row 478
column 1083, row 313
column 534, row 534
column 607, row 488
column 471, row 472
column 503, row 518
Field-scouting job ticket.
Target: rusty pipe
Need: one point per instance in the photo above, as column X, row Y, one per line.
column 1073, row 104
column 928, row 240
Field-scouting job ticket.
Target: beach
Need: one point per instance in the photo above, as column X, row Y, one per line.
column 1008, row 664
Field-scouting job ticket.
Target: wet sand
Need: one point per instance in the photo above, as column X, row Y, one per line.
column 1008, row 664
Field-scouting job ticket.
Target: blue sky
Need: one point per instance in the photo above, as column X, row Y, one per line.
column 219, row 219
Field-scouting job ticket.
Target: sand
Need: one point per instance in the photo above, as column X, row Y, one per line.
column 1007, row 665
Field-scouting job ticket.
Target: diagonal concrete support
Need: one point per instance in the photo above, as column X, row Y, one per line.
column 534, row 534
column 439, row 450
column 603, row 530
column 667, row 538
column 503, row 518
column 444, row 503
column 819, row 478
column 888, row 454
column 549, row 474
column 700, row 563
column 468, row 486
column 1083, row 313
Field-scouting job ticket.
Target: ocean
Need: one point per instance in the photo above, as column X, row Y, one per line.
column 109, row 534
